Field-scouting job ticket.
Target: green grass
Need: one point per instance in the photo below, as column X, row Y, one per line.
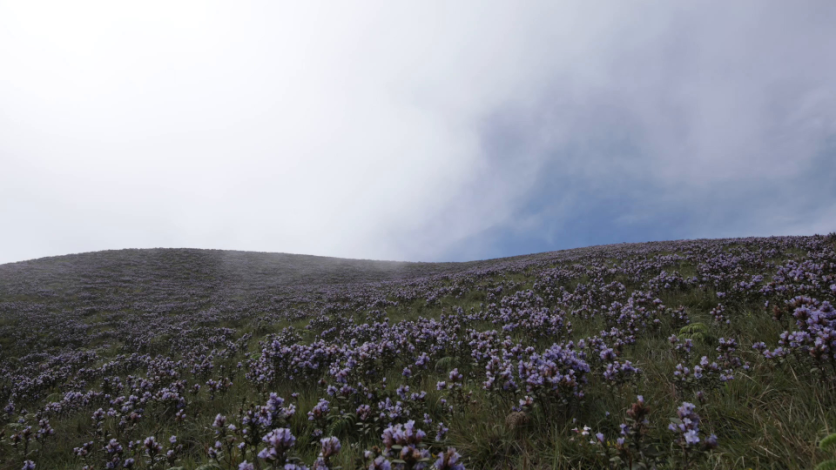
column 770, row 416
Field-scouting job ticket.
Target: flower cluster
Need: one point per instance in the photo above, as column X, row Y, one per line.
column 686, row 427
column 127, row 348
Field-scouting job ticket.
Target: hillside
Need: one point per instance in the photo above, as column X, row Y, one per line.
column 501, row 363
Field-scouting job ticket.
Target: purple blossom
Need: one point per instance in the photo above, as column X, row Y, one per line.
column 330, row 446
column 449, row 460
column 320, row 410
column 278, row 442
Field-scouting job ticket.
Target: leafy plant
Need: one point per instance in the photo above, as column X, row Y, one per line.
column 828, row 444
column 697, row 332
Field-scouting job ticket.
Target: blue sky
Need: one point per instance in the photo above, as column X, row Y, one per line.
column 569, row 212
column 426, row 132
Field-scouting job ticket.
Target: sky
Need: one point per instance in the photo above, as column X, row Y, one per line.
column 417, row 131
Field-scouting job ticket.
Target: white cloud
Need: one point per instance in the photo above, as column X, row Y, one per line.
column 358, row 130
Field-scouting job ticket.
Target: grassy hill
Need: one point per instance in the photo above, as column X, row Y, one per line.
column 683, row 354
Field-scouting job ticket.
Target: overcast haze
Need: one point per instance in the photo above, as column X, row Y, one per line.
column 412, row 130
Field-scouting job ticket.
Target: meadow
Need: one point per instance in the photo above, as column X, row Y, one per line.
column 703, row 354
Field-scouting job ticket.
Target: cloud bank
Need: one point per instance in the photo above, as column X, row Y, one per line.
column 436, row 131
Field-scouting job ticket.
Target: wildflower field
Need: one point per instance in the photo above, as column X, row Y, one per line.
column 685, row 354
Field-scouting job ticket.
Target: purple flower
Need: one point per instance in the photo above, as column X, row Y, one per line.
column 152, row 447
column 380, row 463
column 293, row 466
column 711, row 442
column 320, row 410
column 441, row 433
column 113, row 447
column 274, row 402
column 423, row 359
column 330, row 446
column 691, row 437
column 402, row 434
column 449, row 460
column 278, row 442
column 364, row 412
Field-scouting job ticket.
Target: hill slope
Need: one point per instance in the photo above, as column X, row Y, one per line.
column 499, row 359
